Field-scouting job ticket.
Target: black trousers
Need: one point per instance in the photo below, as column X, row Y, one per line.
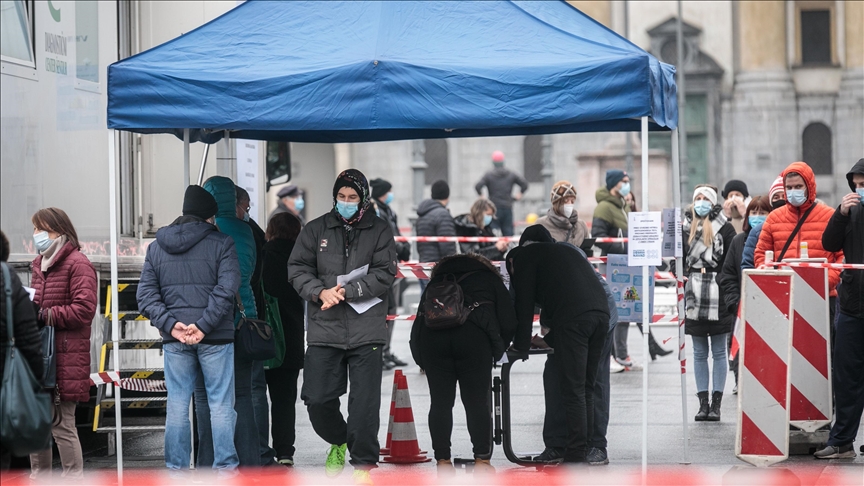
column 578, row 346
column 282, row 385
column 848, row 379
column 555, row 422
column 461, row 355
column 326, row 372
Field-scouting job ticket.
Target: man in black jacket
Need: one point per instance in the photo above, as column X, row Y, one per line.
column 547, row 274
column 435, row 220
column 499, row 183
column 845, row 230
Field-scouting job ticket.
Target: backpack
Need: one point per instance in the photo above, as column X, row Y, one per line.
column 444, row 307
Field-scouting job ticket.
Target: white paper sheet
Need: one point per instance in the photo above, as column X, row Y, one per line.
column 359, row 306
column 30, row 291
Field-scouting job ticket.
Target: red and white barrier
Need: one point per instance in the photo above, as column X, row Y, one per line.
column 656, row 319
column 836, row 266
column 482, row 239
column 134, row 384
column 810, row 369
column 422, row 271
column 762, row 437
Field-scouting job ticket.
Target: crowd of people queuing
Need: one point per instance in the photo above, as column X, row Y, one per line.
column 214, row 259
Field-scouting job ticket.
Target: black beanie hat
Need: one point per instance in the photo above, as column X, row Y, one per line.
column 613, row 177
column 735, row 185
column 198, row 202
column 537, row 234
column 440, row 190
column 379, row 187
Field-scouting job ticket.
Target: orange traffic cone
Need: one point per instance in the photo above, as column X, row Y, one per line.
column 404, row 448
column 386, row 449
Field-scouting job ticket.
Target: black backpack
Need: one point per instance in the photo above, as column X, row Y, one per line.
column 444, row 307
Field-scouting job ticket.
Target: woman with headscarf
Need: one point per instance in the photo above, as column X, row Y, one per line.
column 347, row 326
column 708, row 235
column 561, row 219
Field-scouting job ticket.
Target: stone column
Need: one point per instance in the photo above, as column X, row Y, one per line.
column 418, row 169
column 850, row 99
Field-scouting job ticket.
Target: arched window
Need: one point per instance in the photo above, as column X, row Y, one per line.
column 816, row 142
column 532, row 155
column 437, row 161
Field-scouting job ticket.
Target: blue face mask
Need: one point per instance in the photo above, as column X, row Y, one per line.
column 702, row 207
column 346, row 209
column 299, row 204
column 42, row 241
column 796, row 197
column 389, row 198
column 487, row 220
column 756, row 220
column 246, row 216
column 860, row 192
column 625, row 189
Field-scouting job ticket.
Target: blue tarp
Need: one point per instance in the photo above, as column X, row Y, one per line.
column 366, row 71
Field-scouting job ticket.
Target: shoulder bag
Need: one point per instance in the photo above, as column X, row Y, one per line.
column 274, row 318
column 794, row 232
column 253, row 338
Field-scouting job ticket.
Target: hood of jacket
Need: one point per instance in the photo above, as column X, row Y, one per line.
column 858, row 168
column 428, row 206
column 183, row 234
column 463, row 264
column 809, row 179
column 603, row 194
column 222, row 189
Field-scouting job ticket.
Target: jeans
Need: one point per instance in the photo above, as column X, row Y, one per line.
column 848, row 379
column 246, row 432
column 460, row 355
column 282, row 383
column 700, row 361
column 505, row 220
column 184, row 367
column 262, row 413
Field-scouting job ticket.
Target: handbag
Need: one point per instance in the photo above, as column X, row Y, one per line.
column 25, row 411
column 49, row 359
column 253, row 338
column 274, row 318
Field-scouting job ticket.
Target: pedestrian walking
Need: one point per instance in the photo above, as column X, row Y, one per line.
column 464, row 355
column 499, row 184
column 434, row 219
column 845, row 231
column 707, row 238
column 290, row 200
column 65, row 283
column 562, row 219
column 345, row 336
column 282, row 232
column 480, row 221
column 736, row 199
column 187, row 287
column 546, row 274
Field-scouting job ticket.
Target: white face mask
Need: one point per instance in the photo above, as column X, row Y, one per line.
column 567, row 210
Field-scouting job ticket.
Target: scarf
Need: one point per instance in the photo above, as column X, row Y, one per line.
column 354, row 179
column 49, row 256
column 701, row 255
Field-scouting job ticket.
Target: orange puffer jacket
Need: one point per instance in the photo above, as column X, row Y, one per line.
column 780, row 223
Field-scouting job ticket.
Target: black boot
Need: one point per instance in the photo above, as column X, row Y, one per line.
column 702, row 414
column 714, row 413
column 654, row 348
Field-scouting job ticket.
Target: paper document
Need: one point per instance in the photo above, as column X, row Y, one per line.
column 31, row 291
column 363, row 305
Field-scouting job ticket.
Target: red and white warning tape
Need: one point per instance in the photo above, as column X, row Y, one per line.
column 836, row 266
column 656, row 319
column 423, row 270
column 133, row 384
column 482, row 239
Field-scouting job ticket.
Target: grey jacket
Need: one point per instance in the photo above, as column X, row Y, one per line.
column 499, row 182
column 321, row 254
column 191, row 274
column 434, row 220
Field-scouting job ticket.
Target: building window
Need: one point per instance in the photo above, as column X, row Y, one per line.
column 815, row 37
column 696, row 122
column 532, row 155
column 437, row 161
column 16, row 45
column 816, row 142
column 87, row 40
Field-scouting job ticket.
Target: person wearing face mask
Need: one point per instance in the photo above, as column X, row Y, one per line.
column 845, row 231
column 480, row 221
column 737, row 197
column 777, row 199
column 342, row 343
column 499, row 184
column 65, row 284
column 561, row 219
column 778, row 231
column 290, row 201
column 610, row 215
column 707, row 236
column 729, row 277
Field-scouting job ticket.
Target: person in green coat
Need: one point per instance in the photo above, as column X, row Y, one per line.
column 610, row 215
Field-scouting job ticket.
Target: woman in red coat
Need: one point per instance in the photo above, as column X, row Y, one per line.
column 65, row 283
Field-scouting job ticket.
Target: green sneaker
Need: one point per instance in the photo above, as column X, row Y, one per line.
column 335, row 460
column 362, row 477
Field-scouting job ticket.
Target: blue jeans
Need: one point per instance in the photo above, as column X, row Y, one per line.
column 262, row 413
column 700, row 361
column 183, row 367
column 246, row 432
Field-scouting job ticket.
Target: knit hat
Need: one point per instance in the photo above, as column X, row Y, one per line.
column 708, row 192
column 440, row 190
column 497, row 156
column 613, row 177
column 353, row 179
column 735, row 185
column 289, row 191
column 379, row 187
column 776, row 187
column 198, row 202
column 562, row 189
column 536, row 234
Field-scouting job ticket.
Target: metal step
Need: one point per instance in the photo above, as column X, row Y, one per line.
column 131, row 428
column 136, row 402
column 144, row 374
column 136, row 344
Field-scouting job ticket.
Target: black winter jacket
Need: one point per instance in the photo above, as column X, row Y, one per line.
column 466, row 227
column 497, row 320
column 325, row 250
column 275, row 276
column 499, row 182
column 847, row 233
column 260, row 239
column 27, row 338
column 729, row 278
column 191, row 274
column 434, row 220
column 385, row 212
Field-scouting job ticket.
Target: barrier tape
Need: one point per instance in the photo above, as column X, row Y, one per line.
column 656, row 319
column 482, row 239
column 423, row 270
column 836, row 266
column 134, row 384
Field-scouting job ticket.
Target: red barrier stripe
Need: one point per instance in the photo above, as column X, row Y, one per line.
column 753, row 441
column 801, row 408
column 779, row 295
column 764, row 364
column 810, row 344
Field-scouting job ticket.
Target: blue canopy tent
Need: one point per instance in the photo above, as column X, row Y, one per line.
column 373, row 71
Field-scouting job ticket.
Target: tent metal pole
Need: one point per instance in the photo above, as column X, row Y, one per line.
column 185, row 158
column 679, row 273
column 645, row 309
column 684, row 173
column 115, row 324
column 203, row 164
